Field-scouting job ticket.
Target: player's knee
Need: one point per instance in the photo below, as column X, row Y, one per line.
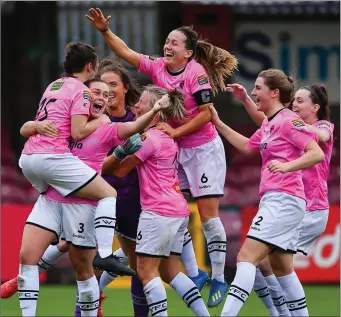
column 244, row 255
column 29, row 256
column 146, row 274
column 265, row 267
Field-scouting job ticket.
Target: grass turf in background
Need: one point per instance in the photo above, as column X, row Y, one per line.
column 322, row 300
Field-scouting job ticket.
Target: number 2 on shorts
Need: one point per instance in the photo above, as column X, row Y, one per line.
column 257, row 223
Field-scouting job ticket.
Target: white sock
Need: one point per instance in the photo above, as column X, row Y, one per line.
column 240, row 289
column 156, row 297
column 276, row 294
column 105, row 220
column 190, row 294
column 107, row 278
column 88, row 296
column 49, row 258
column 294, row 294
column 216, row 244
column 188, row 256
column 28, row 289
column 261, row 289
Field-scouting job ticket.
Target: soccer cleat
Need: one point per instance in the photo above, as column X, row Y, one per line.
column 102, row 298
column 201, row 279
column 218, row 291
column 9, row 288
column 112, row 264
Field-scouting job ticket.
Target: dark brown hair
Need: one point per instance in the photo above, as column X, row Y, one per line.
column 132, row 96
column 319, row 95
column 217, row 62
column 77, row 56
column 94, row 80
column 277, row 79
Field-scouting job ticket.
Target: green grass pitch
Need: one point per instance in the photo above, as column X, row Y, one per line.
column 323, row 300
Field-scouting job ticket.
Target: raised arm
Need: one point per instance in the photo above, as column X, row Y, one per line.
column 45, row 127
column 125, row 130
column 194, row 124
column 240, row 93
column 118, row 46
column 81, row 128
column 239, row 141
column 322, row 134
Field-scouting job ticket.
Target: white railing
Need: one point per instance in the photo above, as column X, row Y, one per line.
column 135, row 22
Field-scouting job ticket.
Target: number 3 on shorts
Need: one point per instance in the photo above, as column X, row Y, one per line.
column 257, row 223
column 81, row 227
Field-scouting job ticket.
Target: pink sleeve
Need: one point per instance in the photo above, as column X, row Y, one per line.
column 326, row 125
column 81, row 103
column 109, row 134
column 149, row 65
column 198, row 79
column 295, row 132
column 255, row 141
column 147, row 148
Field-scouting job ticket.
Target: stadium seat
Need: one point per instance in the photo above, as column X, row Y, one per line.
column 251, row 195
column 232, row 196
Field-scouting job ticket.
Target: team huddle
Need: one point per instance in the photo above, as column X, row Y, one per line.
column 109, row 158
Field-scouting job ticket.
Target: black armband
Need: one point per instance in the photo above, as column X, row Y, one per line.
column 203, row 97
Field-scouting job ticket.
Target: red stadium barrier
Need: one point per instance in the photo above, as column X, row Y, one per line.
column 323, row 263
column 13, row 218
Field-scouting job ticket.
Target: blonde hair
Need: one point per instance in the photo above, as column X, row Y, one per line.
column 217, row 62
column 277, row 79
column 176, row 109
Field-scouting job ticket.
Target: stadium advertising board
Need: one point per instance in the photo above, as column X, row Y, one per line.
column 309, row 51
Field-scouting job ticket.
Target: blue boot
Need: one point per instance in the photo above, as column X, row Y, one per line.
column 201, row 279
column 218, row 291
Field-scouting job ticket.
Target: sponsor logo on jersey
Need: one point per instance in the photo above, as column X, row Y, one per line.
column 298, row 123
column 202, row 79
column 57, row 85
column 87, row 94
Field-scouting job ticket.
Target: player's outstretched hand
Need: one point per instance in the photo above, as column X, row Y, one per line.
column 215, row 117
column 238, row 91
column 98, row 20
column 47, row 128
column 162, row 103
column 131, row 146
column 166, row 128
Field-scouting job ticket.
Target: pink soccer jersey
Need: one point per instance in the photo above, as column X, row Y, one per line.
column 189, row 81
column 315, row 178
column 92, row 151
column 62, row 99
column 281, row 138
column 158, row 177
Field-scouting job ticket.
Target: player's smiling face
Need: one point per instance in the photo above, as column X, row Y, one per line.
column 117, row 89
column 262, row 95
column 303, row 105
column 175, row 52
column 99, row 99
column 143, row 105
